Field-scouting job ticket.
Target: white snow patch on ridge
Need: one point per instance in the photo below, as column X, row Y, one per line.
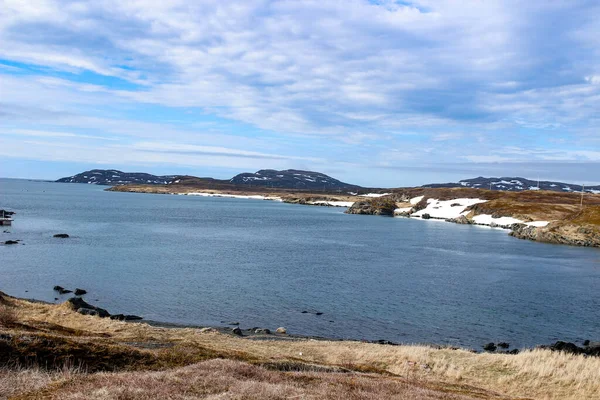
column 486, row 219
column 416, row 200
column 446, row 209
column 233, row 196
column 375, row 194
column 333, row 203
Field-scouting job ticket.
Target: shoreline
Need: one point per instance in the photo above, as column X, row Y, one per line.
column 537, row 216
column 258, row 333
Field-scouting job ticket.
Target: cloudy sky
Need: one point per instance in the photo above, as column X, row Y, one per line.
column 379, row 93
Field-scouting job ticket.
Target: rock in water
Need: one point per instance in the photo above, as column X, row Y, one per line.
column 80, row 292
column 58, row 288
column 61, row 235
column 11, row 242
column 503, row 345
column 490, row 347
column 281, row 330
column 237, row 331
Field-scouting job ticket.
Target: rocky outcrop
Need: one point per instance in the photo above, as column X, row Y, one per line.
column 82, row 307
column 574, row 235
column 375, row 206
column 590, row 349
column 460, row 220
column 61, row 235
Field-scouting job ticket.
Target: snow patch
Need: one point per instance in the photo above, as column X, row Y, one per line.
column 447, row 209
column 333, row 203
column 486, row 219
column 416, row 200
column 375, row 194
column 539, row 224
column 233, row 196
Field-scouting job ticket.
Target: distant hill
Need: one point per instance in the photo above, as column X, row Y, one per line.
column 291, row 179
column 514, row 185
column 115, row 177
column 268, row 178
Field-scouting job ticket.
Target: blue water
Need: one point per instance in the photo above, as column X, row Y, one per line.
column 200, row 261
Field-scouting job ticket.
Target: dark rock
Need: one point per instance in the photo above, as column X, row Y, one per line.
column 61, row 235
column 455, row 205
column 65, row 291
column 77, row 302
column 122, row 317
column 80, row 292
column 318, row 313
column 503, row 345
column 386, row 342
column 586, row 342
column 304, row 312
column 88, row 311
column 490, row 347
column 11, row 242
column 56, row 298
column 4, row 336
column 572, row 348
column 514, row 351
column 426, row 216
column 237, row 331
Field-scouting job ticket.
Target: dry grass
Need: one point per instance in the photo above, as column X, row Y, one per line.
column 538, row 374
column 226, row 379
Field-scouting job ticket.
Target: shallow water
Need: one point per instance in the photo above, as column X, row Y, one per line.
column 197, row 260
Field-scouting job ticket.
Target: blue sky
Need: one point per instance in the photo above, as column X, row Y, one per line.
column 378, row 93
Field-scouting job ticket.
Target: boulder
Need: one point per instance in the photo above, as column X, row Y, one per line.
column 77, row 303
column 461, row 219
column 281, row 330
column 61, row 235
column 58, row 288
column 80, row 292
column 490, row 347
column 503, row 345
column 384, row 205
column 237, row 331
column 11, row 242
column 426, row 216
column 88, row 311
column 122, row 317
column 263, row 331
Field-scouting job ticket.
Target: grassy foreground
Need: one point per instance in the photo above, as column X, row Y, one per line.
column 51, row 352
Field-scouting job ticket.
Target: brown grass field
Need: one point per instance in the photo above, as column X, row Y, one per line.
column 51, row 352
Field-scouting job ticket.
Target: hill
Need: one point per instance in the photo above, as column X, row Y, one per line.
column 291, row 179
column 267, row 178
column 115, row 177
column 515, row 185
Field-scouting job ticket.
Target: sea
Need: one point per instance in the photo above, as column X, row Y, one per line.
column 316, row 271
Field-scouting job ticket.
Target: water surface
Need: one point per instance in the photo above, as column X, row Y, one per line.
column 195, row 260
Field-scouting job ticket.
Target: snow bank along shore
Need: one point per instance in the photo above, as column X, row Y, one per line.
column 233, row 196
column 455, row 208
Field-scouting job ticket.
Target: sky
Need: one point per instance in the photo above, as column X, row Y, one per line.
column 377, row 93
